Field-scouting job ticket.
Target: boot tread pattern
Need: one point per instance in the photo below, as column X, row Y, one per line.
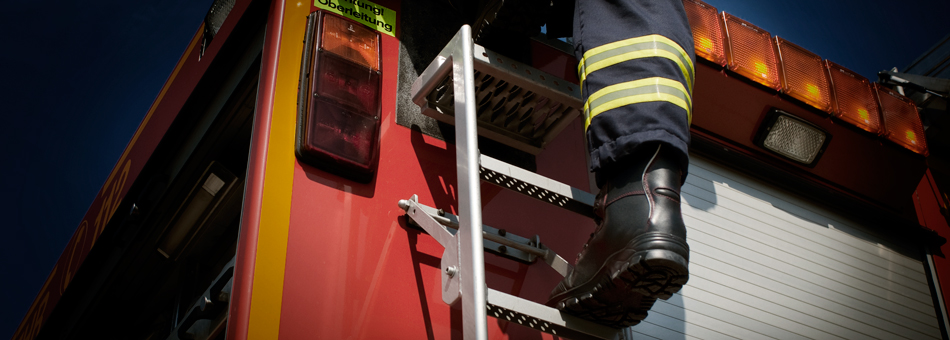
column 623, row 298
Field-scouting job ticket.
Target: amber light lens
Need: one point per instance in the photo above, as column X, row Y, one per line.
column 750, row 51
column 901, row 121
column 803, row 75
column 350, row 40
column 707, row 31
column 854, row 101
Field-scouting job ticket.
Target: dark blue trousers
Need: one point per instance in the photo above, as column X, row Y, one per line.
column 636, row 68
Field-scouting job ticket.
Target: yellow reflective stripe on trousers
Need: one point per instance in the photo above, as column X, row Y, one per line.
column 635, row 48
column 638, row 91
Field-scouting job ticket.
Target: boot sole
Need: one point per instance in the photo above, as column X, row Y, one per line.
column 621, row 294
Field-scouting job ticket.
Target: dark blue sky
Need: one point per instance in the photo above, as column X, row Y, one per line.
column 79, row 76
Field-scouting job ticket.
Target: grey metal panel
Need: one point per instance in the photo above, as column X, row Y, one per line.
column 854, row 250
column 820, row 287
column 817, row 296
column 724, row 317
column 767, row 264
column 793, row 266
column 755, row 232
column 855, row 257
column 712, row 320
column 771, row 197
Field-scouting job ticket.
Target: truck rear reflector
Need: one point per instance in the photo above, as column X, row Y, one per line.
column 901, row 120
column 854, row 101
column 804, row 76
column 750, row 51
column 707, row 31
column 338, row 131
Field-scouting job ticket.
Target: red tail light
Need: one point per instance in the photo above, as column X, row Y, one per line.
column 707, row 31
column 855, row 102
column 803, row 75
column 339, row 130
column 341, row 135
column 347, row 83
column 750, row 51
column 901, row 121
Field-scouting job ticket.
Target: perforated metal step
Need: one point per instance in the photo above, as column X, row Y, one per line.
column 542, row 188
column 516, row 104
column 546, row 319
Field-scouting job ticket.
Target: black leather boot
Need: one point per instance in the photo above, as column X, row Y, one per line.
column 638, row 252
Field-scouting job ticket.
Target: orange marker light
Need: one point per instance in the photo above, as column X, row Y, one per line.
column 707, row 31
column 804, row 76
column 350, row 40
column 750, row 51
column 901, row 120
column 855, row 102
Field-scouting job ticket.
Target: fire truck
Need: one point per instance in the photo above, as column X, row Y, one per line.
column 355, row 169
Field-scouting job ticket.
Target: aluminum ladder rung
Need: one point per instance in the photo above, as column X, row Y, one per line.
column 531, row 184
column 546, row 319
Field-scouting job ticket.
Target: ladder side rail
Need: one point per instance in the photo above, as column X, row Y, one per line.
column 471, row 256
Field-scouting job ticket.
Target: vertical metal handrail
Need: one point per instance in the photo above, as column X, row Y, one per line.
column 471, row 256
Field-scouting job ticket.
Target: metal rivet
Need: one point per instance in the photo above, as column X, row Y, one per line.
column 451, row 271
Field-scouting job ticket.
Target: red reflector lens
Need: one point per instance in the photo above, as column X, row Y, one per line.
column 707, row 31
column 350, row 40
column 854, row 100
column 342, row 136
column 347, row 83
column 901, row 121
column 804, row 76
column 750, row 51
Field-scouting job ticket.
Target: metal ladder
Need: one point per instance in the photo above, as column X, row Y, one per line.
column 521, row 107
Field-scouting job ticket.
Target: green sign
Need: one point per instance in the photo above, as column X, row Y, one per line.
column 370, row 14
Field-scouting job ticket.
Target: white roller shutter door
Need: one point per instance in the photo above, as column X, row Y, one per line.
column 767, row 264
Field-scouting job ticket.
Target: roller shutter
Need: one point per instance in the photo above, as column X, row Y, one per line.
column 768, row 264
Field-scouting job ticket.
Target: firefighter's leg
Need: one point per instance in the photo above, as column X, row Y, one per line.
column 636, row 65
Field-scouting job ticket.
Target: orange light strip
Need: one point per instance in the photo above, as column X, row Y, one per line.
column 750, row 51
column 707, row 31
column 804, row 76
column 902, row 123
column 854, row 101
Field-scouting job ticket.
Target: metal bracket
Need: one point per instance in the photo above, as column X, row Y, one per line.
column 211, row 306
column 497, row 241
column 450, row 257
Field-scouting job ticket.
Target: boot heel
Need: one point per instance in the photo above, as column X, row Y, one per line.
column 657, row 273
